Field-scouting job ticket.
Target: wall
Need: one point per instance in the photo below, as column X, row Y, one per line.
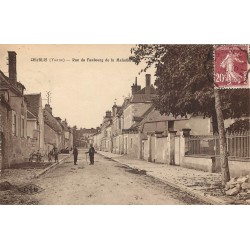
column 198, row 125
column 18, row 143
column 236, row 167
column 5, row 128
column 162, row 152
column 31, row 126
column 151, row 127
column 198, row 163
column 134, row 109
column 145, row 149
column 41, row 126
column 51, row 138
column 130, row 144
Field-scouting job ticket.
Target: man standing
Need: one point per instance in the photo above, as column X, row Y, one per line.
column 55, row 152
column 75, row 153
column 91, row 153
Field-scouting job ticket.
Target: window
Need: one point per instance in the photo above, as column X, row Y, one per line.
column 14, row 123
column 22, row 127
column 131, row 143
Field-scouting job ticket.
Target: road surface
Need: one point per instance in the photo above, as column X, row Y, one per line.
column 106, row 182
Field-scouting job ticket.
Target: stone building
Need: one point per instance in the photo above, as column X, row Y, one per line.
column 52, row 130
column 35, row 123
column 83, row 137
column 128, row 116
column 5, row 115
column 14, row 107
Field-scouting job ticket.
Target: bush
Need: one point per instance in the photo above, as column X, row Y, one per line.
column 239, row 126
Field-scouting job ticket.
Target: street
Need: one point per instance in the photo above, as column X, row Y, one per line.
column 106, row 183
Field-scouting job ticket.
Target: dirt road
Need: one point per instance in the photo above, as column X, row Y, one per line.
column 106, row 182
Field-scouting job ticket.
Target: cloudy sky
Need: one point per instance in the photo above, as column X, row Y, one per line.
column 81, row 91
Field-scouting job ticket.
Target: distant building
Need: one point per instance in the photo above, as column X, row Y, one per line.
column 84, row 137
column 66, row 136
column 52, row 130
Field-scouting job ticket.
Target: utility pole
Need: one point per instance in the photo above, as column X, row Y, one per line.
column 48, row 95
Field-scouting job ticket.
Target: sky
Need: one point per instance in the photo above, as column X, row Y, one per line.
column 81, row 91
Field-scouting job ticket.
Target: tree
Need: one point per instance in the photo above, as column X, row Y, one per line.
column 239, row 126
column 185, row 85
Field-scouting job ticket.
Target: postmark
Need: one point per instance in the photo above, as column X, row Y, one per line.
column 231, row 66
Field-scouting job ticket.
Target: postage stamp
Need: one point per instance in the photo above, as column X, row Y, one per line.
column 231, row 66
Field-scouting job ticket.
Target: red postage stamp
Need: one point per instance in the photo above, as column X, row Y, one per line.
column 231, row 66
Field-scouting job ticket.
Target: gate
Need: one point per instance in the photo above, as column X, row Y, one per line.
column 177, row 150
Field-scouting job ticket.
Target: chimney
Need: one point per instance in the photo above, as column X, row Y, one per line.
column 12, row 67
column 148, row 84
column 48, row 108
column 108, row 114
column 135, row 88
column 114, row 109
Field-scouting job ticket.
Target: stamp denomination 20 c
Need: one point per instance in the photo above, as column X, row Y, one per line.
column 231, row 66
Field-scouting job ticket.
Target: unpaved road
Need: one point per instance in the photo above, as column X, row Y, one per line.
column 106, row 182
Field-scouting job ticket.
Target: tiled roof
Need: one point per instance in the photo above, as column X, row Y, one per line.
column 141, row 98
column 155, row 115
column 50, row 120
column 4, row 80
column 33, row 103
column 142, row 91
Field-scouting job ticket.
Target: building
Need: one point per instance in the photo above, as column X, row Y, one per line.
column 84, row 136
column 128, row 116
column 52, row 130
column 5, row 132
column 35, row 123
column 14, row 105
column 106, row 135
column 66, row 136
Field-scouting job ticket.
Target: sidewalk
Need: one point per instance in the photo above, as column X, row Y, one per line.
column 19, row 175
column 203, row 185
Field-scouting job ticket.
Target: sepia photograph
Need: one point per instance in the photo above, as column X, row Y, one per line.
column 124, row 125
column 121, row 124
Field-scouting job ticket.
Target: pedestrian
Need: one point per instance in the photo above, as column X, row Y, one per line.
column 50, row 154
column 91, row 153
column 55, row 153
column 75, row 153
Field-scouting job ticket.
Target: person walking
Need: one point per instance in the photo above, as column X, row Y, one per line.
column 50, row 154
column 55, row 152
column 91, row 153
column 75, row 153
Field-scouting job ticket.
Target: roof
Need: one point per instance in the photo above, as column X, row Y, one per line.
column 30, row 115
column 4, row 102
column 33, row 103
column 138, row 119
column 136, row 98
column 155, row 116
column 5, row 82
column 88, row 130
column 142, row 91
column 50, row 120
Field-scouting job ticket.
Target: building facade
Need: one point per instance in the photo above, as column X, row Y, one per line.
column 35, row 123
column 15, row 136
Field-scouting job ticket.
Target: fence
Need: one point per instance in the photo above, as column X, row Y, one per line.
column 238, row 145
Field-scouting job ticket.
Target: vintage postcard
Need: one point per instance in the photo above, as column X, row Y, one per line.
column 124, row 124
